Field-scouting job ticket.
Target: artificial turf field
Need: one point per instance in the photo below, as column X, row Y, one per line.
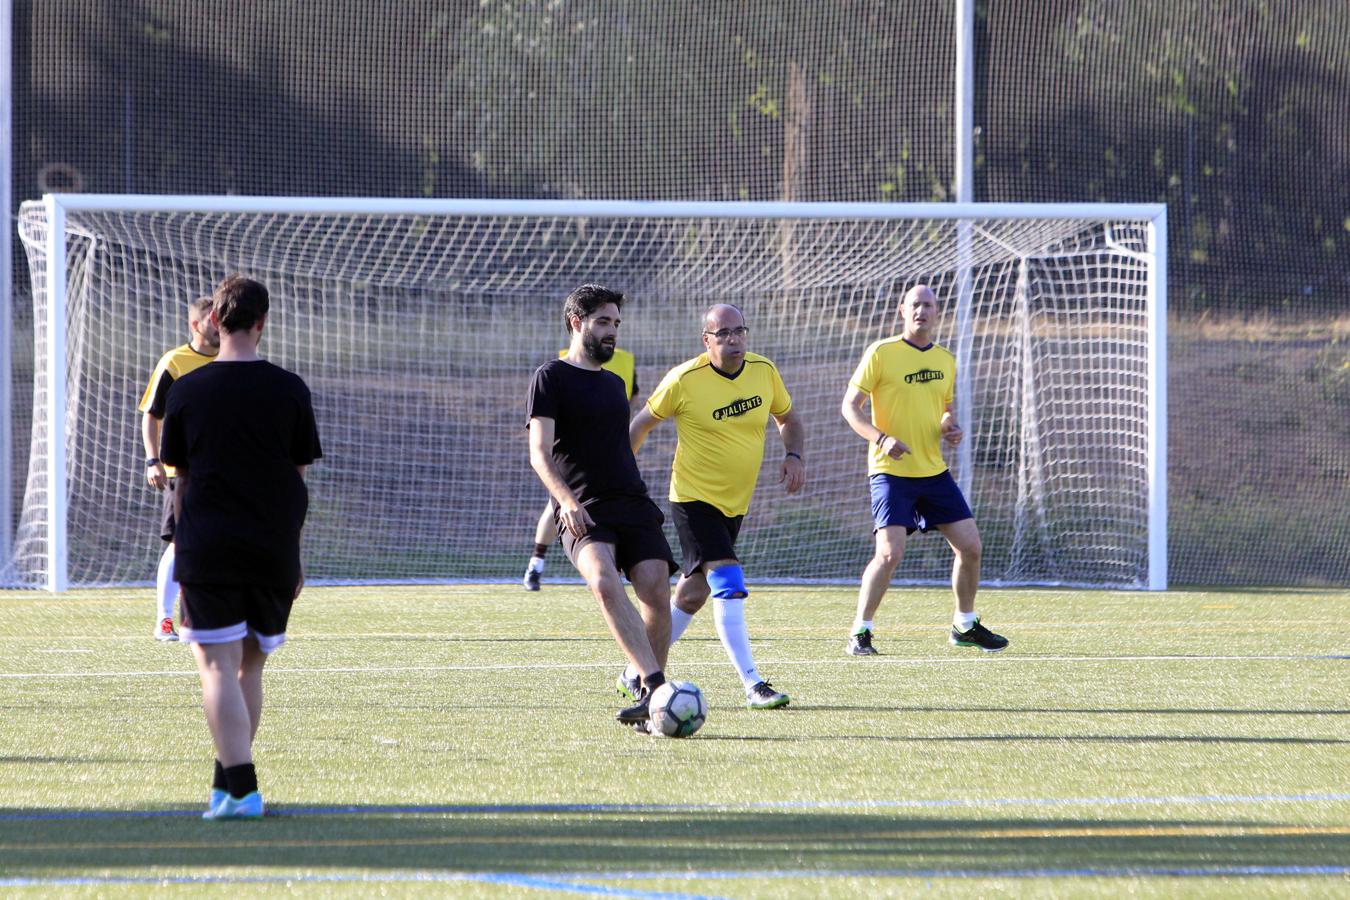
column 460, row 741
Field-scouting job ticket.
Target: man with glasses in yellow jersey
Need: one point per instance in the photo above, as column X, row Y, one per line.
column 721, row 402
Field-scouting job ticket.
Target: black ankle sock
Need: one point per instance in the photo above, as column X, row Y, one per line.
column 541, row 550
column 653, row 681
column 242, row 780
column 218, row 779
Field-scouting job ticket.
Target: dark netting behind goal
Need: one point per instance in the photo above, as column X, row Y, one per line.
column 1235, row 114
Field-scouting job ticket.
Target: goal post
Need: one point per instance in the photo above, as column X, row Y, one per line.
column 418, row 323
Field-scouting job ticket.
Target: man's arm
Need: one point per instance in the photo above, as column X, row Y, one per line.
column 861, row 423
column 640, row 427
column 792, row 475
column 155, row 475
column 179, row 493
column 951, row 429
column 573, row 516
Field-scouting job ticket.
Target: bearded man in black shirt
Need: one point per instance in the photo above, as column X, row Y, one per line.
column 579, row 448
column 241, row 437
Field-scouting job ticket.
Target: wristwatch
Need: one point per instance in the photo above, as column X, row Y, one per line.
column 152, row 461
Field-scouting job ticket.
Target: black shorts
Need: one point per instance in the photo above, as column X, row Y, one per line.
column 166, row 515
column 220, row 613
column 631, row 524
column 706, row 533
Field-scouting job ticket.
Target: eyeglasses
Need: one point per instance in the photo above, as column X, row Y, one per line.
column 723, row 334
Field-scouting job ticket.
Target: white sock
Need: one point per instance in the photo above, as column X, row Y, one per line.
column 679, row 622
column 729, row 614
column 536, row 565
column 861, row 625
column 165, row 586
column 964, row 621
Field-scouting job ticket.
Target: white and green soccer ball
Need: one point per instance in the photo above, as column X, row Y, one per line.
column 677, row 709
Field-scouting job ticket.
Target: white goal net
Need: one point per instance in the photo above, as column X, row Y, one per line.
column 417, row 325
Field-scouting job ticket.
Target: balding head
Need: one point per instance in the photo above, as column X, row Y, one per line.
column 919, row 310
column 727, row 352
column 917, row 293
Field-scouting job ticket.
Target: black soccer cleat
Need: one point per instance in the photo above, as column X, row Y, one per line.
column 979, row 636
column 628, row 688
column 860, row 644
column 764, row 696
column 531, row 580
column 637, row 713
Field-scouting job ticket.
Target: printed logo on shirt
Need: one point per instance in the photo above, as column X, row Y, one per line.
column 738, row 408
column 923, row 375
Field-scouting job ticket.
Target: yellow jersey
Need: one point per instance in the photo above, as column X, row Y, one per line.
column 621, row 364
column 720, row 422
column 172, row 365
column 910, row 388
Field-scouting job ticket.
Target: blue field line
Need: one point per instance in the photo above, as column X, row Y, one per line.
column 552, row 808
column 1083, row 872
column 582, row 884
column 556, row 883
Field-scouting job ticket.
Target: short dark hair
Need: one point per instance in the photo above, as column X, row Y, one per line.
column 586, row 300
column 239, row 303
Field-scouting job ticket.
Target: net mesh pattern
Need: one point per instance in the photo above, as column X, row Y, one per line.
column 418, row 335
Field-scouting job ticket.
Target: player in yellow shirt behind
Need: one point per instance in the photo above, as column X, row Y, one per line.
column 174, row 364
column 910, row 382
column 721, row 402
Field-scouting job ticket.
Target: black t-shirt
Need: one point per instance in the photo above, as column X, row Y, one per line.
column 589, row 410
column 240, row 429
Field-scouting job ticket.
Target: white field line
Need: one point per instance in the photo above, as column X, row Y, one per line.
column 966, row 659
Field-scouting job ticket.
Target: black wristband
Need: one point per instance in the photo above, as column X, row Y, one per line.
column 880, row 438
column 152, row 461
column 797, row 455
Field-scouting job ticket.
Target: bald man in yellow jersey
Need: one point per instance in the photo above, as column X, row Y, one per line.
column 721, row 402
column 546, row 529
column 910, row 382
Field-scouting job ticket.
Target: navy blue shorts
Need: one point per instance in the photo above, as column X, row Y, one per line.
column 919, row 504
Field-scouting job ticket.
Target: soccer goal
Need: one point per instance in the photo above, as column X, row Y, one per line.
column 417, row 325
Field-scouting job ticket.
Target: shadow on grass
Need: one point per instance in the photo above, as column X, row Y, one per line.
column 1063, row 710
column 1036, row 739
column 624, row 839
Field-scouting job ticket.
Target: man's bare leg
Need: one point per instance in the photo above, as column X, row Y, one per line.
column 596, row 564
column 651, row 583
column 964, row 538
column 227, row 712
column 876, row 578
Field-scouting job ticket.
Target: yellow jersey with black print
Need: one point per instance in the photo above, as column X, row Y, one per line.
column 622, row 364
column 172, row 365
column 720, row 421
column 910, row 388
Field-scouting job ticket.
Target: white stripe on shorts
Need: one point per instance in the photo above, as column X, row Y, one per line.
column 236, row 632
column 268, row 642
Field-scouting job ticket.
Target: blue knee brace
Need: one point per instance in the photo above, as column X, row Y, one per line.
column 727, row 582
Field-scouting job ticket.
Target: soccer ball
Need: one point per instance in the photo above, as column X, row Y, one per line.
column 677, row 709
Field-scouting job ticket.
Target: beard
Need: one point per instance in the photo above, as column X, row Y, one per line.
column 596, row 349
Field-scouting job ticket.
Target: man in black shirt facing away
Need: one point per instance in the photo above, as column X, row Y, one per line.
column 242, row 436
column 579, row 448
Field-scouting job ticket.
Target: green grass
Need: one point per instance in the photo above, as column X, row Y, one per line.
column 1121, row 737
